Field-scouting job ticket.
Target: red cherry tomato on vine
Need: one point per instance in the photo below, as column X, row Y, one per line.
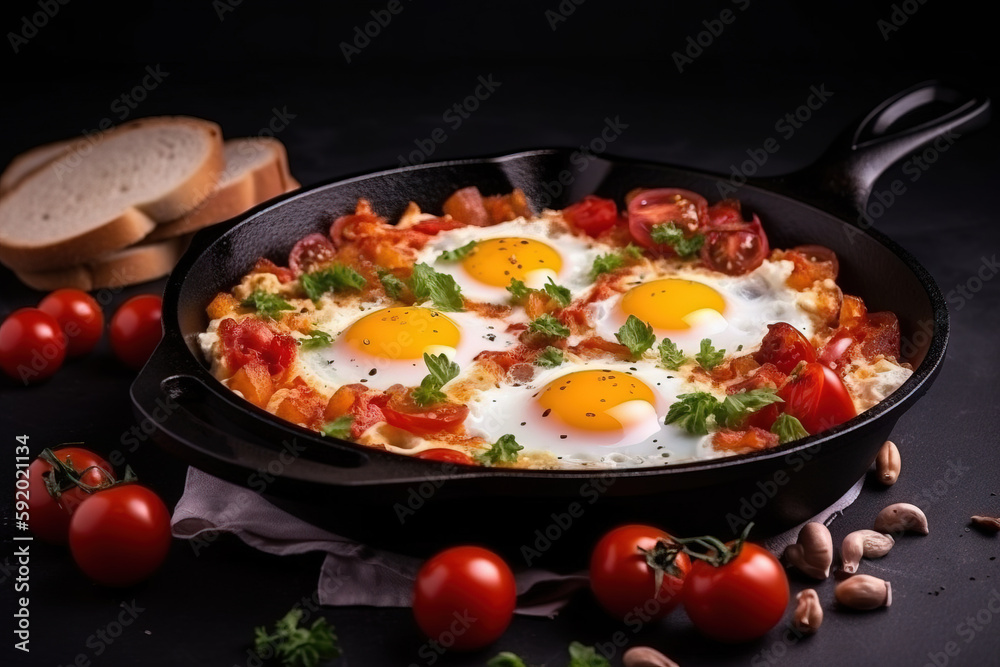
column 136, row 329
column 121, row 535
column 79, row 316
column 445, row 455
column 623, row 581
column 592, row 215
column 32, row 345
column 464, row 598
column 49, row 517
column 738, row 601
column 818, row 398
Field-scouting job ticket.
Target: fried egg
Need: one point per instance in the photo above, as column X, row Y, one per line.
column 687, row 305
column 533, row 252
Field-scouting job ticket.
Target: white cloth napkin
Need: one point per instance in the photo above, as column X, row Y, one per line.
column 354, row 574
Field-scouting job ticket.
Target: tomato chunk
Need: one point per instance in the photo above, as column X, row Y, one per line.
column 250, row 340
column 818, row 398
column 785, row 347
column 264, row 265
column 466, row 205
column 592, row 215
column 501, row 208
column 437, row 225
column 253, row 381
column 751, row 439
column 359, row 401
column 445, row 455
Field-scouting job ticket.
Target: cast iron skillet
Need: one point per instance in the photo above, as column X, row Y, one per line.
column 407, row 503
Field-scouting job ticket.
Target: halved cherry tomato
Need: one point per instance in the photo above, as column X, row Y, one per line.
column 818, row 398
column 724, row 213
column 735, row 249
column 592, row 215
column 250, row 340
column 784, row 346
column 623, row 581
column 464, row 597
column 311, row 253
column 686, row 209
column 740, row 600
column 48, row 517
column 80, row 317
column 32, row 345
column 466, row 205
column 136, row 329
column 839, row 350
column 445, row 455
column 403, row 412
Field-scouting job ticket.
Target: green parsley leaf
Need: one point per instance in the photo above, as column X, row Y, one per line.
column 392, row 285
column 458, row 254
column 585, row 656
column 315, row 339
column 518, row 289
column 636, row 335
column 560, row 295
column 298, row 646
column 606, row 264
column 441, row 371
column 548, row 325
column 632, row 251
column 734, row 410
column 691, row 412
column 503, row 450
column 267, row 305
column 671, row 356
column 709, row 357
column 672, row 235
column 550, row 358
column 505, row 659
column 439, row 288
column 334, row 278
column 788, row 428
column 339, row 427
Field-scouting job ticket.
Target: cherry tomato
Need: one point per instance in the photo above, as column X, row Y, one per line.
column 252, row 340
column 592, row 215
column 818, row 398
column 121, row 535
column 32, row 346
column 724, row 213
column 136, row 329
column 311, row 253
column 784, row 346
column 622, row 580
column 839, row 350
column 464, row 597
column 735, row 249
column 445, row 455
column 646, row 208
column 79, row 316
column 403, row 412
column 740, row 600
column 48, row 517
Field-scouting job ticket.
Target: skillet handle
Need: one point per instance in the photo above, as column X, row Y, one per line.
column 847, row 171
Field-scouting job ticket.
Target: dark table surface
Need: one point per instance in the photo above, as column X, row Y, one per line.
column 201, row 608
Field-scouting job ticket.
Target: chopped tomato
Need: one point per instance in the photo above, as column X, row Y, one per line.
column 839, row 350
column 592, row 215
column 445, row 455
column 751, row 439
column 311, row 253
column 595, row 346
column 881, row 336
column 724, row 213
column 818, row 254
column 264, row 265
column 818, row 398
column 852, row 312
column 345, row 226
column 466, row 205
column 871, row 335
column 253, row 381
column 361, row 402
column 735, row 249
column 811, row 263
column 250, row 340
column 437, row 225
column 501, row 208
column 301, row 405
column 505, row 359
column 223, row 304
column 785, row 347
column 686, row 209
column 767, row 375
column 403, row 412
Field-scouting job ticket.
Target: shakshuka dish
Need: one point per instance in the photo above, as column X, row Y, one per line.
column 664, row 332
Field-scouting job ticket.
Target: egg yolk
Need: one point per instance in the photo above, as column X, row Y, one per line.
column 670, row 302
column 498, row 261
column 402, row 333
column 595, row 400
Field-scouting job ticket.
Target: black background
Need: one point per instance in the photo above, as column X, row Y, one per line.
column 238, row 64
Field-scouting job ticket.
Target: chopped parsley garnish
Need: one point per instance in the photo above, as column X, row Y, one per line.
column 559, row 294
column 518, row 289
column 709, row 357
column 339, row 427
column 315, row 339
column 606, row 264
column 671, row 357
column 732, row 412
column 334, row 278
column 438, row 288
column 672, row 235
column 441, row 371
column 548, row 325
column 632, row 251
column 458, row 254
column 788, row 428
column 691, row 412
column 392, row 285
column 503, row 450
column 267, row 305
column 297, row 646
column 585, row 656
column 550, row 358
column 636, row 335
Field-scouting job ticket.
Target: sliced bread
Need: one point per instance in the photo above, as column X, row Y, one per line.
column 107, row 193
column 137, row 264
column 29, row 161
column 256, row 170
